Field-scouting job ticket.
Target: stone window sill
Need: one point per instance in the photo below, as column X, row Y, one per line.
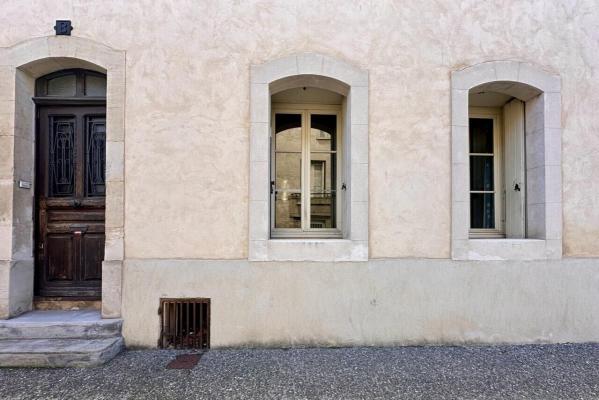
column 308, row 250
column 507, row 249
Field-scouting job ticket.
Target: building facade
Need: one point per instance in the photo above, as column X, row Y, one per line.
column 326, row 173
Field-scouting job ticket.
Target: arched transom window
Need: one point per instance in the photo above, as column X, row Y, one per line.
column 72, row 83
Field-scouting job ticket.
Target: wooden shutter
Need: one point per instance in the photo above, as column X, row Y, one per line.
column 514, row 158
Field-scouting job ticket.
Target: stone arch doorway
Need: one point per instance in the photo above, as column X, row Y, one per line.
column 20, row 66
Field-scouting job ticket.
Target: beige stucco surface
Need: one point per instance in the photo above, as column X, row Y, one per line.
column 187, row 106
column 372, row 303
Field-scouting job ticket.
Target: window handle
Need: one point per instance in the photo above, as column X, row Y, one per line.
column 343, row 187
column 272, row 187
column 516, row 187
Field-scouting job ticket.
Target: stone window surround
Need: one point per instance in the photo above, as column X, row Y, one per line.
column 547, row 242
column 20, row 65
column 332, row 74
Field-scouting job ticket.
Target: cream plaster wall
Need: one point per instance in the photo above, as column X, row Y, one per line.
column 380, row 302
column 187, row 96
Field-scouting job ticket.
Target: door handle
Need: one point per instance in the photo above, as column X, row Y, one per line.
column 272, row 187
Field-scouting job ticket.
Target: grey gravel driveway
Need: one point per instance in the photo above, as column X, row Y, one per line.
column 485, row 372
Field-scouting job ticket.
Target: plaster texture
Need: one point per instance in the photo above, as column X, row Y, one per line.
column 179, row 154
column 400, row 302
column 188, row 91
column 16, row 287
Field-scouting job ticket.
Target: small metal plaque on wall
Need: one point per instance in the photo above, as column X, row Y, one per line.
column 63, row 27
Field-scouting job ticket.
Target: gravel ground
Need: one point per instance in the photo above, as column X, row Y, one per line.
column 485, row 372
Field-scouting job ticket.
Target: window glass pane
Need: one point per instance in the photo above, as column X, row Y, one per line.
column 288, row 171
column 62, row 86
column 95, row 156
column 481, row 172
column 323, row 211
column 322, row 190
column 482, row 210
column 317, row 175
column 95, row 85
column 288, row 132
column 288, row 209
column 323, row 132
column 61, row 157
column 481, row 135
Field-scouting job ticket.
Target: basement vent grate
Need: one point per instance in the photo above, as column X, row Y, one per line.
column 184, row 323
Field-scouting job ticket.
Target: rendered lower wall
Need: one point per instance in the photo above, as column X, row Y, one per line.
column 16, row 287
column 380, row 302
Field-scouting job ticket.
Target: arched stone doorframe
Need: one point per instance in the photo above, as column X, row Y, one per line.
column 20, row 65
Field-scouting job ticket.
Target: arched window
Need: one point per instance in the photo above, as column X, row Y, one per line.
column 306, row 151
column 308, row 160
column 506, row 162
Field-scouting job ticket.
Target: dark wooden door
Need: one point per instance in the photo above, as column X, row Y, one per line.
column 70, row 199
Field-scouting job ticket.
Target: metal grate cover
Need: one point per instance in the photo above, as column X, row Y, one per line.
column 184, row 323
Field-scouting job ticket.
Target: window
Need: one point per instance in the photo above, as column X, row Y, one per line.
column 304, row 171
column 506, row 163
column 325, row 216
column 486, row 173
column 497, row 164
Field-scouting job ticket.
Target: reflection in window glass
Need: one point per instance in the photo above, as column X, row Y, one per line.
column 323, row 164
column 62, row 86
column 95, row 85
column 288, row 209
column 323, row 132
column 305, row 153
column 288, row 170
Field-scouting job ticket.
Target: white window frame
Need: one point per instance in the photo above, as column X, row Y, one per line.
column 310, row 70
column 496, row 115
column 541, row 93
column 306, row 110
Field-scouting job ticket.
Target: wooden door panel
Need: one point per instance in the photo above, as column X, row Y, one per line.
column 60, row 255
column 92, row 254
column 72, row 216
column 70, row 200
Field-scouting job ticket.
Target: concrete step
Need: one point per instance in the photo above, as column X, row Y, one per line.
column 58, row 352
column 60, row 303
column 60, row 324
